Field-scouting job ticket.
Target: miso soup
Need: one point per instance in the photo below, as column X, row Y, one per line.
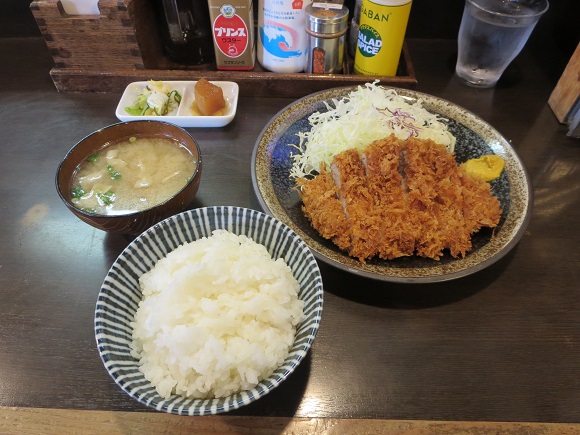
column 131, row 175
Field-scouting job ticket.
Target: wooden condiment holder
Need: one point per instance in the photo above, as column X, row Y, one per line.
column 106, row 52
column 123, row 36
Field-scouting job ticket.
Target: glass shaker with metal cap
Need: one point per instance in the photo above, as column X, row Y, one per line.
column 326, row 25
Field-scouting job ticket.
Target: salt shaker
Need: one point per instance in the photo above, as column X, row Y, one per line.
column 326, row 25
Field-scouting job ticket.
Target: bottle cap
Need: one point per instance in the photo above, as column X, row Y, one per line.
column 326, row 18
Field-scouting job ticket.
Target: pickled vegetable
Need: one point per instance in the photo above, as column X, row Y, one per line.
column 157, row 99
column 209, row 98
column 486, row 168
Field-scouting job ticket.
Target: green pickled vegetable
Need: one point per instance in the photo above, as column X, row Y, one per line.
column 157, row 99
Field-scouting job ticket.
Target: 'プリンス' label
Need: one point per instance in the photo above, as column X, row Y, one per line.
column 230, row 32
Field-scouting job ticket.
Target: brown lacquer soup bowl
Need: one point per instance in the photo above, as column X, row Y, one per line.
column 145, row 137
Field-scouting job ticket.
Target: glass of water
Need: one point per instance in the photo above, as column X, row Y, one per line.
column 491, row 35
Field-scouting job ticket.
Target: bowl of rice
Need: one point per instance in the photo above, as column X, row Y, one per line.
column 208, row 310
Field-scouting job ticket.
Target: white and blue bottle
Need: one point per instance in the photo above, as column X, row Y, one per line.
column 282, row 38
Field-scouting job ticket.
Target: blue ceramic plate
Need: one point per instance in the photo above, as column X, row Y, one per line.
column 271, row 163
column 120, row 295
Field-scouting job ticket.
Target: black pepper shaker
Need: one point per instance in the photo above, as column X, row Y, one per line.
column 326, row 25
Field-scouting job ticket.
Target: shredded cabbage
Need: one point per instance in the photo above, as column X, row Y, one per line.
column 365, row 115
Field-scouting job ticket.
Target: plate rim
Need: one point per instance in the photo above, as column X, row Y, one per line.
column 417, row 278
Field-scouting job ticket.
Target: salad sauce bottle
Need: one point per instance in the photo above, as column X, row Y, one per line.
column 381, row 33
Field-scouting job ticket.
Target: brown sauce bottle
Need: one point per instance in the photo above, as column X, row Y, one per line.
column 185, row 30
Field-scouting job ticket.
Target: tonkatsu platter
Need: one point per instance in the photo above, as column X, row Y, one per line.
column 392, row 184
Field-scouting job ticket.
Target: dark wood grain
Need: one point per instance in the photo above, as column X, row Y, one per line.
column 500, row 345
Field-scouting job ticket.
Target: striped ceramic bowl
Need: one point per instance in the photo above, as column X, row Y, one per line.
column 120, row 295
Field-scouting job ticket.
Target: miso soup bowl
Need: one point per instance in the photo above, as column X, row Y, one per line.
column 136, row 222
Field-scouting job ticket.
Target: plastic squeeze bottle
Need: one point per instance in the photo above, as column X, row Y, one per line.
column 282, row 38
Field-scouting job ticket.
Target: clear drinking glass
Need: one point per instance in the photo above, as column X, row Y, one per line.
column 491, row 35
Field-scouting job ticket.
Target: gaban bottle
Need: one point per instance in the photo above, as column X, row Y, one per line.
column 282, row 38
column 381, row 33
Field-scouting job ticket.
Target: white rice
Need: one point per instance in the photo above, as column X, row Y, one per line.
column 218, row 315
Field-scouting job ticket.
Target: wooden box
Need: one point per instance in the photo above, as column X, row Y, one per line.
column 119, row 38
column 106, row 52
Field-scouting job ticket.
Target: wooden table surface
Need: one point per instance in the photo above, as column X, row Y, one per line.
column 497, row 351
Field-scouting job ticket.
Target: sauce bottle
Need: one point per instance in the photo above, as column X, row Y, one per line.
column 232, row 24
column 185, row 30
column 282, row 38
column 381, row 34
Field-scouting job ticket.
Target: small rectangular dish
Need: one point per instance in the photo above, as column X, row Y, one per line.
column 185, row 114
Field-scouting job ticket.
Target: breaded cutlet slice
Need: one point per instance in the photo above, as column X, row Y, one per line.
column 348, row 173
column 323, row 208
column 437, row 197
column 480, row 207
column 396, row 232
column 423, row 195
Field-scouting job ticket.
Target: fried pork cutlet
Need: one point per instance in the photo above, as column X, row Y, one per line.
column 398, row 198
column 320, row 197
